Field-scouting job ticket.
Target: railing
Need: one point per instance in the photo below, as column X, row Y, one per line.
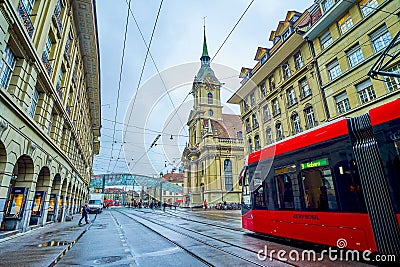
column 26, row 20
column 46, row 63
column 230, row 140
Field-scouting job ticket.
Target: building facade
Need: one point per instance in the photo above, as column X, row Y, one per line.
column 49, row 109
column 280, row 96
column 348, row 37
column 214, row 154
column 174, row 198
column 316, row 69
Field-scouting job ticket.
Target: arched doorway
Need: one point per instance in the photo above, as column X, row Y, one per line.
column 54, row 199
column 39, row 206
column 18, row 205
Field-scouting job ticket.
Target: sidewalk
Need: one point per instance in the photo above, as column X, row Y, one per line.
column 43, row 246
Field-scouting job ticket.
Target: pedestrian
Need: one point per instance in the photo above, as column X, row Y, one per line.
column 84, row 211
column 205, row 204
column 164, row 205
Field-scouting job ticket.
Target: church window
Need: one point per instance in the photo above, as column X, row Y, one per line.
column 210, row 98
column 228, row 175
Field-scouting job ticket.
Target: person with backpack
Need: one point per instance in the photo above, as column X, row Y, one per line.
column 84, row 211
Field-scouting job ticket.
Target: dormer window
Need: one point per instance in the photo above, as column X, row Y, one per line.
column 286, row 34
column 264, row 58
column 276, row 39
column 327, row 4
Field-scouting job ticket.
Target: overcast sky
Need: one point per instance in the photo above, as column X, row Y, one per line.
column 176, row 49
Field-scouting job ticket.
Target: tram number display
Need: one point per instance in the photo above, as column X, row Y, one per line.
column 315, row 164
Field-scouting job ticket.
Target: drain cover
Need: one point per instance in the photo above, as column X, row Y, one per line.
column 109, row 259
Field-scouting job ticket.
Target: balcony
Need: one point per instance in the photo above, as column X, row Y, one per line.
column 26, row 20
column 321, row 20
column 46, row 63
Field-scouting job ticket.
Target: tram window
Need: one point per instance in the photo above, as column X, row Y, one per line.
column 259, row 197
column 349, row 187
column 319, row 190
column 285, row 192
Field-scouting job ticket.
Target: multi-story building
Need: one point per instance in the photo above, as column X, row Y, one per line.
column 316, row 69
column 169, row 196
column 348, row 37
column 214, row 154
column 280, row 96
column 49, row 109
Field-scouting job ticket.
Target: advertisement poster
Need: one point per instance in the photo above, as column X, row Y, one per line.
column 38, row 203
column 52, row 203
column 60, row 202
column 16, row 202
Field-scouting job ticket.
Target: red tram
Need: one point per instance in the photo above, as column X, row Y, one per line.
column 337, row 181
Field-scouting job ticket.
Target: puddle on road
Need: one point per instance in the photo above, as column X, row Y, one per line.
column 109, row 259
column 54, row 243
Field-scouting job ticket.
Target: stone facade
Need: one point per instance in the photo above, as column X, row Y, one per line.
column 213, row 157
column 316, row 69
column 49, row 109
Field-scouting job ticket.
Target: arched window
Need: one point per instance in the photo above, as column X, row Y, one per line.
column 228, row 175
column 210, row 98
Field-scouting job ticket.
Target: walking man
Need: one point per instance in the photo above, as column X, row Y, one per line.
column 84, row 211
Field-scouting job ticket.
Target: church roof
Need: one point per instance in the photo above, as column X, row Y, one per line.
column 228, row 127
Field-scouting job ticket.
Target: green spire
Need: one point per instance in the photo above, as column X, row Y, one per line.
column 205, row 50
column 205, row 58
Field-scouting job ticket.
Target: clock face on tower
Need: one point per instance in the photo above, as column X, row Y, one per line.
column 210, row 82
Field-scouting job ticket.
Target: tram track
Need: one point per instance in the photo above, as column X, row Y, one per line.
column 203, row 241
column 168, row 239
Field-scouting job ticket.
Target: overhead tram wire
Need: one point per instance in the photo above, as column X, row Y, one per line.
column 141, row 75
column 234, row 27
column 119, row 82
column 149, row 53
column 155, row 65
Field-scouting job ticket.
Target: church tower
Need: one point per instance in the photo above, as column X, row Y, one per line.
column 215, row 146
column 206, row 88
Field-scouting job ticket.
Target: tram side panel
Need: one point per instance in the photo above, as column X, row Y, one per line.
column 311, row 194
column 386, row 126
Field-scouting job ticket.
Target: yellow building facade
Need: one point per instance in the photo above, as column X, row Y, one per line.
column 49, row 109
column 214, row 154
column 316, row 69
column 348, row 37
column 280, row 96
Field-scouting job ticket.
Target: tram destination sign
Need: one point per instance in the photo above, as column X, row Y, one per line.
column 314, row 164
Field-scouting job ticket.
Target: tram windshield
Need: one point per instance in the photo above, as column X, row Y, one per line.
column 244, row 182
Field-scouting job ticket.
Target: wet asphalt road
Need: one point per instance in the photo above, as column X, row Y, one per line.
column 115, row 240
column 118, row 238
